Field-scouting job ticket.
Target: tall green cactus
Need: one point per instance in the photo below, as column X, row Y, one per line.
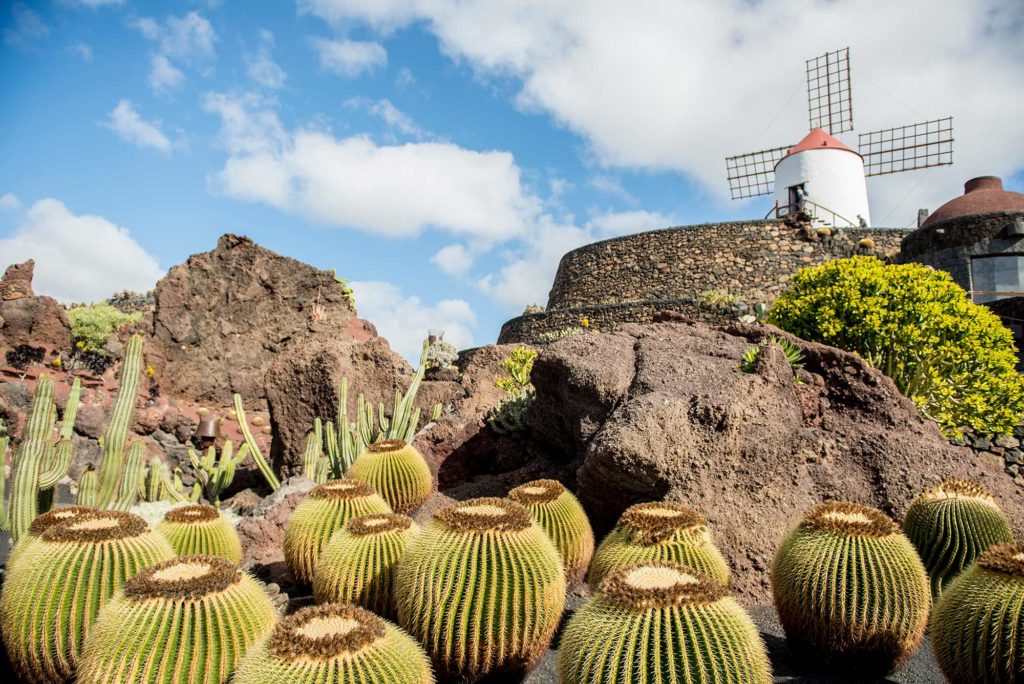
column 40, row 460
column 215, row 474
column 159, row 483
column 254, row 448
column 118, row 473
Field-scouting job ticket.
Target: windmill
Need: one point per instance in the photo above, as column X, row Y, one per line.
column 820, row 176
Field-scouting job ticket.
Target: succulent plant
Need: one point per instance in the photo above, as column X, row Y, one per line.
column 200, row 530
column 850, row 588
column 976, row 629
column 358, row 564
column 557, row 511
column 397, row 471
column 661, row 622
column 659, row 531
column 335, row 643
column 951, row 525
column 322, row 513
column 188, row 620
column 482, row 587
column 41, row 524
column 47, row 616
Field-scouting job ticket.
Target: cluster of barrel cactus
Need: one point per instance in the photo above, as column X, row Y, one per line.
column 397, row 472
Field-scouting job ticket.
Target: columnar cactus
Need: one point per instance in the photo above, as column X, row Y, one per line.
column 557, row 511
column 660, row 623
column 198, row 530
column 659, row 531
column 52, row 596
column 41, row 524
column 850, row 588
column 322, row 513
column 335, row 643
column 184, row 621
column 358, row 564
column 977, row 630
column 951, row 525
column 214, row 474
column 482, row 587
column 397, row 471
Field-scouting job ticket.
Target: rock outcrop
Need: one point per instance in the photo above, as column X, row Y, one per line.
column 663, row 411
column 26, row 319
column 224, row 316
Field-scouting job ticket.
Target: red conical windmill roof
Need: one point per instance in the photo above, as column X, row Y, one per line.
column 817, row 139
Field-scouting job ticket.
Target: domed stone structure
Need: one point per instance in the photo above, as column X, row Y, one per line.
column 982, row 195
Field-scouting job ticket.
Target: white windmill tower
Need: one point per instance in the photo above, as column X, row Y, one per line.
column 823, row 178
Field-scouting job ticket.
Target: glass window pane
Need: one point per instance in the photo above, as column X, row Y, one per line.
column 991, row 276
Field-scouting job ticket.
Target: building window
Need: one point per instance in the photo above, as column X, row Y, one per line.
column 997, row 277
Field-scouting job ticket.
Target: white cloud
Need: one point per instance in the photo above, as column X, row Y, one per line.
column 94, row 3
column 404, row 320
column 394, row 190
column 613, row 224
column 164, row 76
column 404, row 79
column 129, row 126
column 678, row 86
column 9, row 202
column 455, row 260
column 391, row 115
column 349, row 58
column 261, row 66
column 83, row 50
column 78, row 257
column 26, row 26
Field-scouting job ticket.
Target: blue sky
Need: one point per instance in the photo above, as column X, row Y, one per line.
column 443, row 155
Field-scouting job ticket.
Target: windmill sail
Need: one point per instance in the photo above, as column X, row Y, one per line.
column 753, row 174
column 906, row 148
column 829, row 98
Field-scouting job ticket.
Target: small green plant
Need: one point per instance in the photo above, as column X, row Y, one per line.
column 555, row 335
column 976, row 628
column 396, row 471
column 659, row 531
column 335, row 643
column 953, row 358
column 214, row 474
column 200, row 530
column 718, row 299
column 517, row 366
column 794, row 354
column 207, row 614
column 510, row 414
column 662, row 623
column 533, row 309
column 558, row 513
column 850, row 589
column 346, row 290
column 486, row 626
column 951, row 525
column 93, row 324
column 441, row 354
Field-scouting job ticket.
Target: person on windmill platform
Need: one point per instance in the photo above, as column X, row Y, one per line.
column 801, row 198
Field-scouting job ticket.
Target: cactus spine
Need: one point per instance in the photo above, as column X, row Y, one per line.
column 850, row 588
column 215, row 474
column 951, row 525
column 325, row 511
column 661, row 623
column 977, row 631
column 199, row 530
column 184, row 621
column 557, row 511
column 336, row 643
column 358, row 564
column 43, row 522
column 397, row 471
column 659, row 532
column 40, row 460
column 482, row 588
column 46, row 616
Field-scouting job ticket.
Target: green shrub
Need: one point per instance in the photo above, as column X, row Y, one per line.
column 794, row 354
column 510, row 415
column 517, row 365
column 93, row 324
column 954, row 358
column 555, row 335
column 718, row 299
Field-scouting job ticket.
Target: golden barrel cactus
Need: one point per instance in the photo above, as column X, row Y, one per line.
column 951, row 525
column 659, row 531
column 322, row 513
column 200, row 530
column 397, row 472
column 188, row 620
column 43, row 522
column 482, row 587
column 662, row 623
column 850, row 589
column 335, row 643
column 52, row 596
column 358, row 564
column 557, row 511
column 977, row 628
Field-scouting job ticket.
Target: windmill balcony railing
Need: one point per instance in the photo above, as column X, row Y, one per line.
column 813, row 210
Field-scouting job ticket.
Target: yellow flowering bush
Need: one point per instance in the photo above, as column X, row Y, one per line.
column 93, row 324
column 954, row 358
